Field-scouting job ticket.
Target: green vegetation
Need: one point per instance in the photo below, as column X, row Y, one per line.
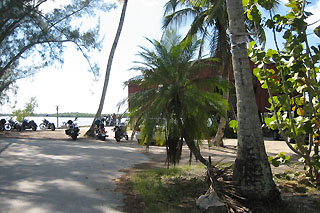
column 294, row 85
column 27, row 111
column 173, row 95
column 33, row 37
column 177, row 189
column 170, row 190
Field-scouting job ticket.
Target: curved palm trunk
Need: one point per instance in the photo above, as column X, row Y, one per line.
column 90, row 132
column 194, row 150
column 252, row 173
column 224, row 54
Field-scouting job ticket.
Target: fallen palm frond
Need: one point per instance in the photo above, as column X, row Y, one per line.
column 220, row 181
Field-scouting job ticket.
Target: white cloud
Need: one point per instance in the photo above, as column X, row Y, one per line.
column 314, row 9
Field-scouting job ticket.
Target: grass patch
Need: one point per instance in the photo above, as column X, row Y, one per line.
column 170, row 190
column 177, row 189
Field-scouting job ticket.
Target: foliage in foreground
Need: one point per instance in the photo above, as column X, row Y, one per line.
column 170, row 190
column 294, row 85
column 177, row 189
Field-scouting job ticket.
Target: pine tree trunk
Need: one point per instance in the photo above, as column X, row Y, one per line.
column 90, row 132
column 252, row 173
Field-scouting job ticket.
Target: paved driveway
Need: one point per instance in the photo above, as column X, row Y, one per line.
column 61, row 175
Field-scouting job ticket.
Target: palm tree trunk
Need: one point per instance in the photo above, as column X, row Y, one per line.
column 224, row 54
column 194, row 150
column 90, row 132
column 252, row 173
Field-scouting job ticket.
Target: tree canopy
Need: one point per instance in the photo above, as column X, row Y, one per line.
column 173, row 96
column 33, row 37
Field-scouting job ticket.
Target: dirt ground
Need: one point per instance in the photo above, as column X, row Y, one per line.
column 132, row 202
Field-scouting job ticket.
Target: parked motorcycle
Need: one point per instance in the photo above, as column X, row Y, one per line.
column 72, row 130
column 120, row 132
column 3, row 124
column 100, row 131
column 13, row 125
column 29, row 125
column 47, row 125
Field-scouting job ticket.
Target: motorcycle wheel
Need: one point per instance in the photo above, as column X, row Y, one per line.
column 42, row 126
column 74, row 137
column 7, row 127
column 117, row 136
column 18, row 127
column 103, row 138
column 34, row 128
column 52, row 127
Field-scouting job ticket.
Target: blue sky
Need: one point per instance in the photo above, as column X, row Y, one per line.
column 74, row 89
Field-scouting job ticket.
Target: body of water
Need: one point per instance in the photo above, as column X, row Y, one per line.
column 81, row 121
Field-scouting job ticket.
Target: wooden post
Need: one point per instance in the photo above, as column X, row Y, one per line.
column 57, row 116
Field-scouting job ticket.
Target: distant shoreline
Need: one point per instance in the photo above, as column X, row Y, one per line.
column 64, row 114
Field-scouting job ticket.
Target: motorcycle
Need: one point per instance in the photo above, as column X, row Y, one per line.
column 29, row 125
column 72, row 130
column 100, row 131
column 120, row 132
column 4, row 125
column 47, row 125
column 12, row 125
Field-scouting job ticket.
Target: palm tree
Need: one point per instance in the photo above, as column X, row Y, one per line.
column 208, row 16
column 173, row 96
column 108, row 70
column 252, row 174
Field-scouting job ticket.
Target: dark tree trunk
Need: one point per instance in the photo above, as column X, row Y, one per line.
column 90, row 132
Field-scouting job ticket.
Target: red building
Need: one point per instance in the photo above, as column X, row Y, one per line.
column 261, row 94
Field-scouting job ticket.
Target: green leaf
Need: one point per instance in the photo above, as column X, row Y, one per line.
column 245, row 3
column 252, row 44
column 275, row 163
column 256, row 72
column 281, row 154
column 270, row 159
column 264, row 85
column 270, row 24
column 234, row 125
column 271, row 52
column 271, row 122
column 317, row 31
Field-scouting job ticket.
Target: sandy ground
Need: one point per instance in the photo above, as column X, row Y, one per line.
column 157, row 154
column 46, row 171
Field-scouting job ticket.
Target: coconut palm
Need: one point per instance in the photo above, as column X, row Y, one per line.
column 252, row 174
column 173, row 95
column 90, row 132
column 209, row 18
column 252, row 171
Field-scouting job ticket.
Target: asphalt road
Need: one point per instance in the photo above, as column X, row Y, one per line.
column 61, row 175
